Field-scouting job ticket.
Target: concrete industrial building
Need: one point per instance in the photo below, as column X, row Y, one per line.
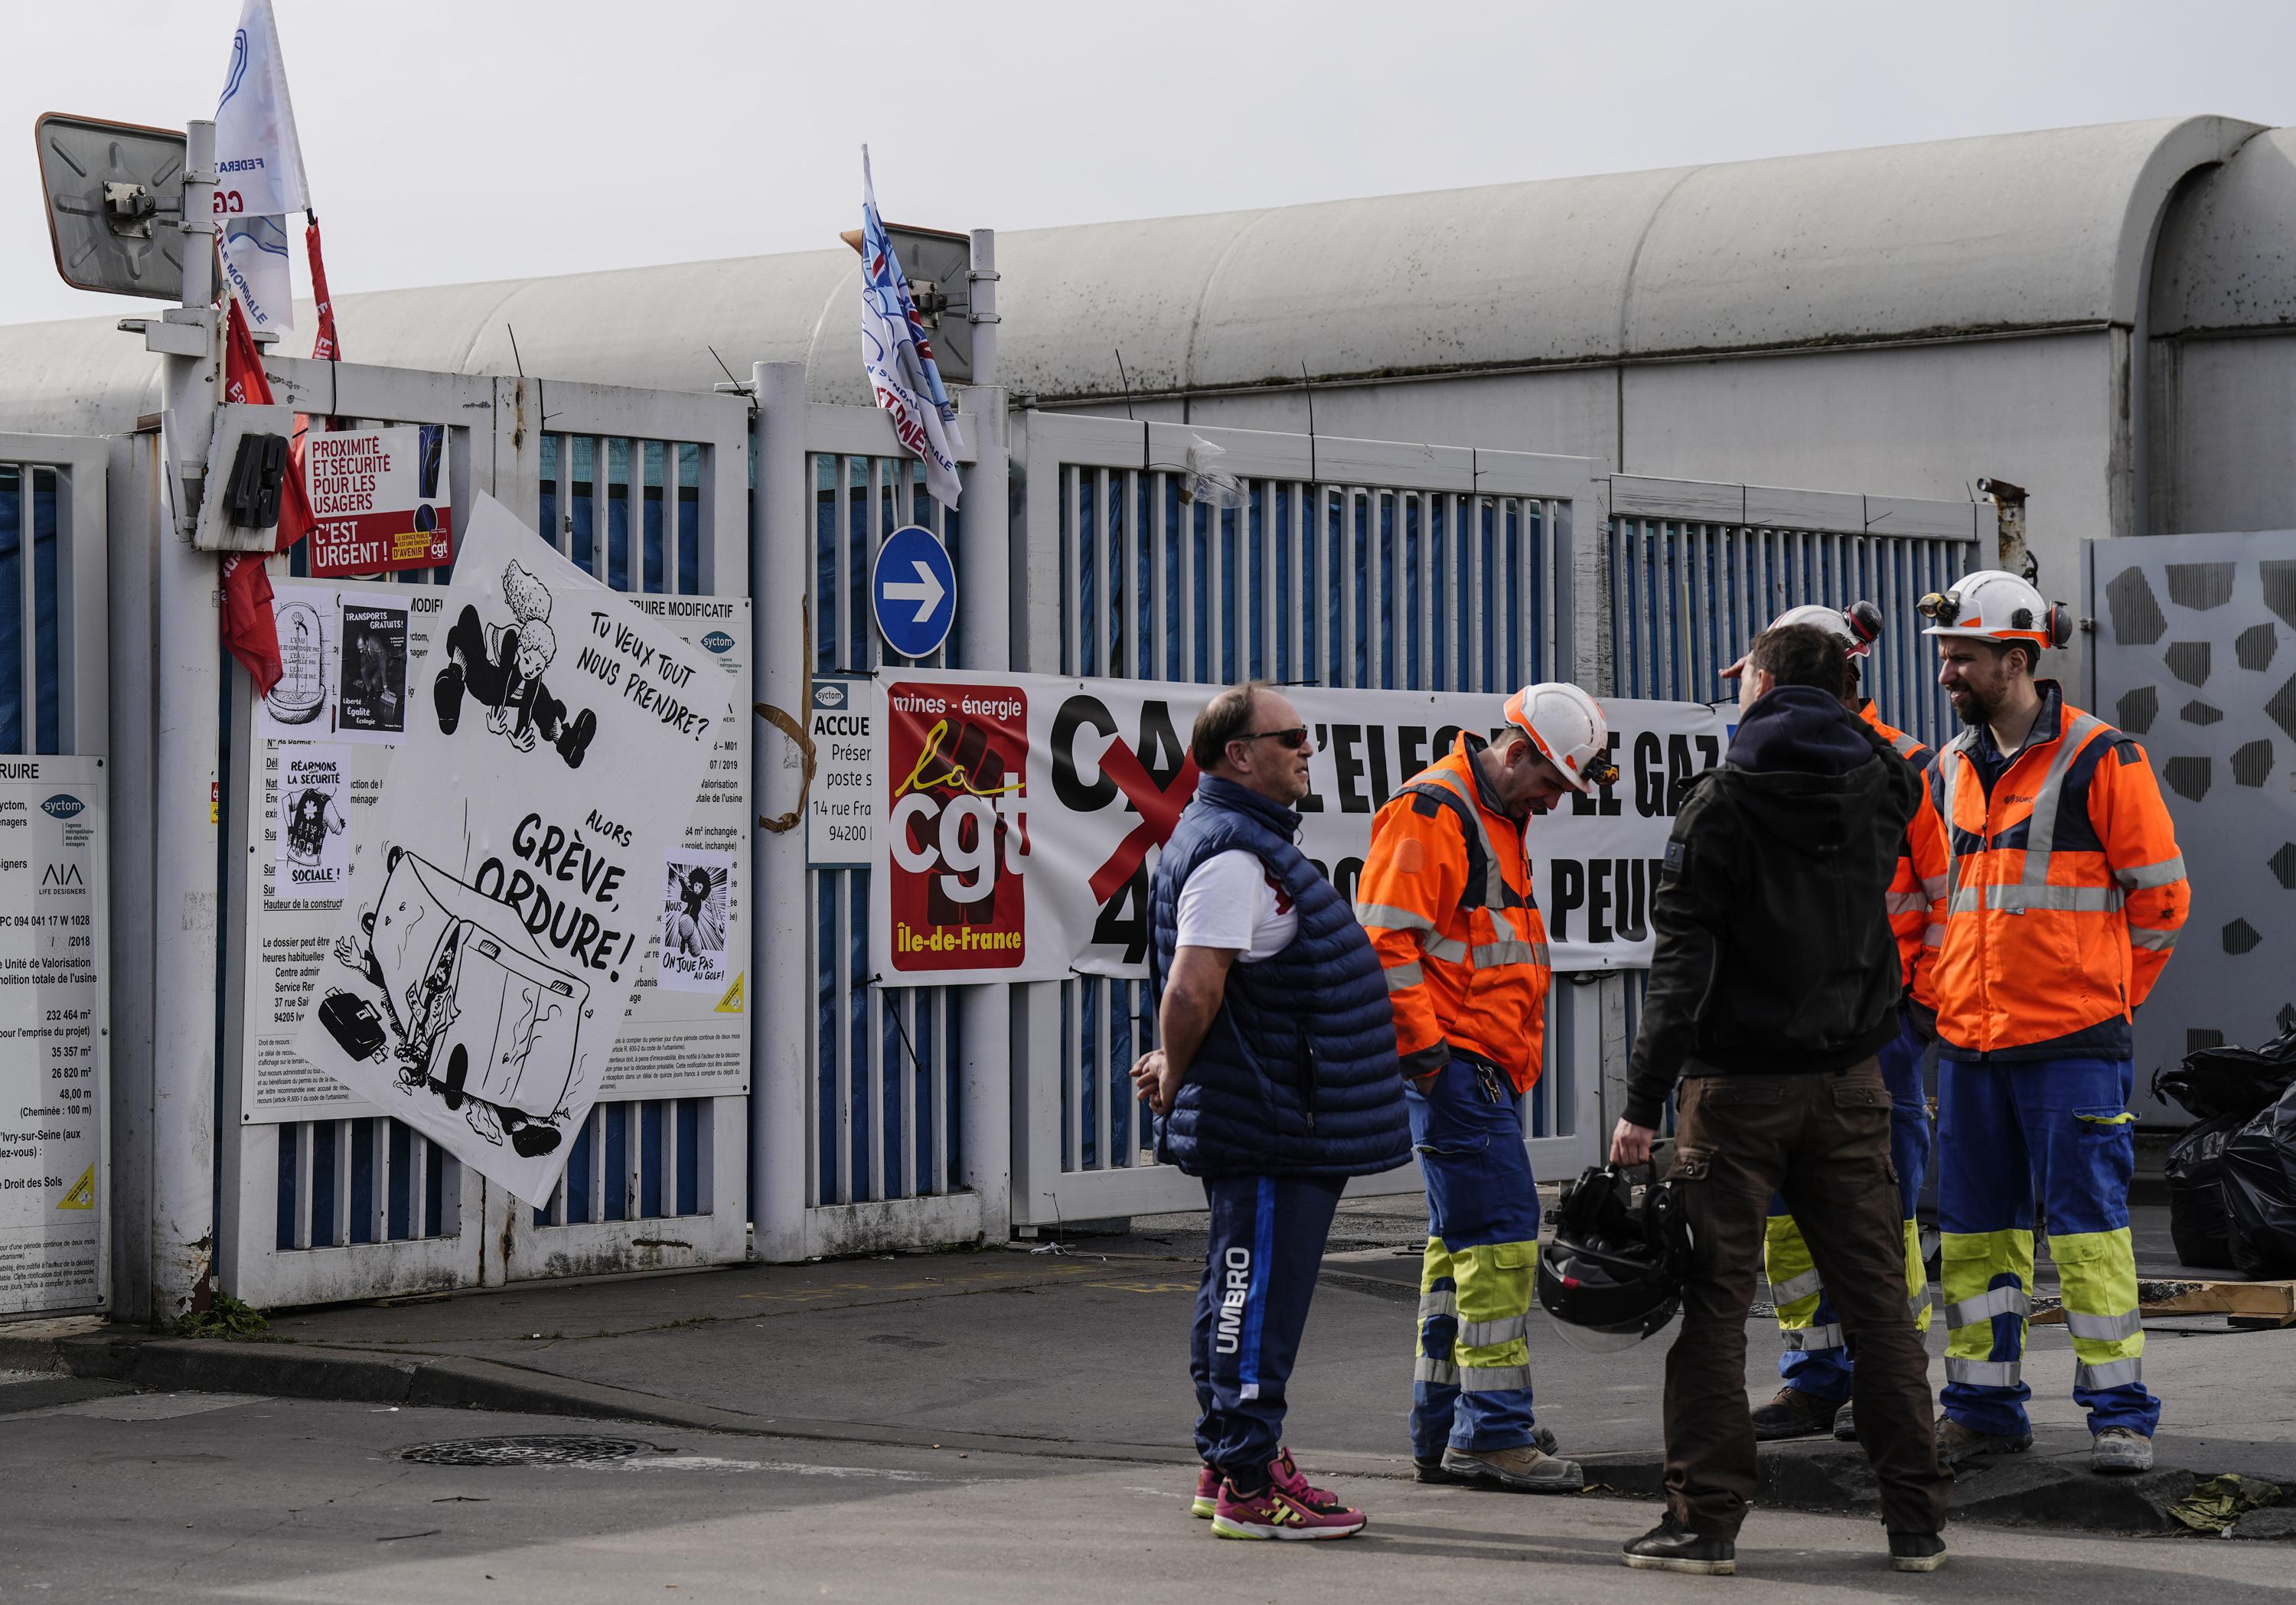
column 2099, row 315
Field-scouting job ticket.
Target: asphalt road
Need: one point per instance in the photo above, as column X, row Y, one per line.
column 118, row 1495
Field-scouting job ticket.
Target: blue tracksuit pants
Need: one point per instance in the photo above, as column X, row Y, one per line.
column 2056, row 1132
column 1816, row 1361
column 1471, row 1385
column 1267, row 1236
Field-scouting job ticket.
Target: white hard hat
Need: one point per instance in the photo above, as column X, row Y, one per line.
column 1994, row 605
column 1567, row 728
column 1857, row 626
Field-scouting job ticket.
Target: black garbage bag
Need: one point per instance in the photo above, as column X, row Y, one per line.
column 2258, row 1169
column 2196, row 1204
column 2230, row 1081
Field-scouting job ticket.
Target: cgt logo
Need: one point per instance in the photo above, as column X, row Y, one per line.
column 62, row 805
column 718, row 641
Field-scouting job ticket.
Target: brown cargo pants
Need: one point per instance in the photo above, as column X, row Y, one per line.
column 1823, row 1141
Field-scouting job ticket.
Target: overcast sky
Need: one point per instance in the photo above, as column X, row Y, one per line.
column 484, row 139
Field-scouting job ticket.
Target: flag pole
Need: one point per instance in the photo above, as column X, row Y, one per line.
column 184, row 803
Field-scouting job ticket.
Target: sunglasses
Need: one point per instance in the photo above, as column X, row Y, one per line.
column 1294, row 738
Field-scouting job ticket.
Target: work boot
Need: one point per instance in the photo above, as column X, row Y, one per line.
column 1527, row 1470
column 2121, row 1450
column 1670, row 1546
column 1845, row 1425
column 1915, row 1551
column 1793, row 1414
column 1956, row 1443
column 1435, row 1471
column 574, row 740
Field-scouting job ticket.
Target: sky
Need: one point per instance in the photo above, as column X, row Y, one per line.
column 488, row 139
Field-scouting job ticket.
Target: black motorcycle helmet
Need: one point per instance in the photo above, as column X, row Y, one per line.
column 1614, row 1272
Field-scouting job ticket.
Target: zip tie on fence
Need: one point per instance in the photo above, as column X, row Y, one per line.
column 796, row 732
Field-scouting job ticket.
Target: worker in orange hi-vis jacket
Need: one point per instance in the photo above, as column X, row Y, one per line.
column 1446, row 896
column 2065, row 893
column 1814, row 1367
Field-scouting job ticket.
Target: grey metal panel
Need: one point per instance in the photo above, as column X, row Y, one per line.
column 2225, row 748
column 1647, row 497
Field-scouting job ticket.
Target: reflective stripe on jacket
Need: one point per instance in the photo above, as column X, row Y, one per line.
column 1919, row 883
column 2065, row 891
column 1446, row 896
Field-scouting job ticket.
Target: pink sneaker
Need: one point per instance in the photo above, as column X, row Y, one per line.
column 1274, row 1513
column 1207, row 1500
column 1287, row 1476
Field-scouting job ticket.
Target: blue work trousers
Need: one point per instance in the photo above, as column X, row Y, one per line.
column 1267, row 1236
column 1470, row 1384
column 2056, row 1132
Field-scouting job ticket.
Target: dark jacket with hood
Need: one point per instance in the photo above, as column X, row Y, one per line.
column 1774, row 951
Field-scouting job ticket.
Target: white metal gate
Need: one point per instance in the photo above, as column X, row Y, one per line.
column 1347, row 563
column 647, row 491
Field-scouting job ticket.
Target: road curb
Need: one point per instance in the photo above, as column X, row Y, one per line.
column 2034, row 1491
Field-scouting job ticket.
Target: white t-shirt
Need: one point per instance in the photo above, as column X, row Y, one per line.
column 1230, row 901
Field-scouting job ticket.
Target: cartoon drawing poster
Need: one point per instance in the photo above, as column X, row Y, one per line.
column 695, row 887
column 497, row 924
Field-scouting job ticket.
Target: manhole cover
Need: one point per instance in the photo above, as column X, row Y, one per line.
column 523, row 1451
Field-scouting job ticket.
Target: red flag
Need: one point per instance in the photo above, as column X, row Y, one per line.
column 326, row 347
column 249, row 629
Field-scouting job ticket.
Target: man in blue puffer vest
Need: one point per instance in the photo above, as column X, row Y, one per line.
column 1276, row 1081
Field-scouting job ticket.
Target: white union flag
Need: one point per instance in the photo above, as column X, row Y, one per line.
column 258, row 171
column 898, row 356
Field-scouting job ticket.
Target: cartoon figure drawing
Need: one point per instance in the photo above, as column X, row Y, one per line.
column 693, row 911
column 502, row 665
column 477, row 1016
column 311, row 819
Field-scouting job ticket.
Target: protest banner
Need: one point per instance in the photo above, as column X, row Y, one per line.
column 1022, row 814
column 379, row 499
column 496, row 917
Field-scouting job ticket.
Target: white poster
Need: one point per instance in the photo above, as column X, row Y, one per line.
column 1024, row 815
column 673, row 1044
column 495, row 932
column 846, row 727
column 693, row 1040
column 694, row 926
column 53, row 1033
column 314, row 844
column 293, row 920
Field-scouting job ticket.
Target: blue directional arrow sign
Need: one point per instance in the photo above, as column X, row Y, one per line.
column 912, row 591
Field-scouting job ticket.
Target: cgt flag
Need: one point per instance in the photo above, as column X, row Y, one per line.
column 258, row 171
column 898, row 357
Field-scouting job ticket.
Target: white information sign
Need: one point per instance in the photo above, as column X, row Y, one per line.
column 675, row 1043
column 295, row 908
column 54, row 1042
column 847, row 727
column 492, row 937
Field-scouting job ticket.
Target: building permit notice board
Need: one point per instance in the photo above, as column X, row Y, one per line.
column 54, row 1035
column 361, row 661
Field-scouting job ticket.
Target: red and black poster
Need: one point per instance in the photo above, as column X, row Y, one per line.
column 956, row 769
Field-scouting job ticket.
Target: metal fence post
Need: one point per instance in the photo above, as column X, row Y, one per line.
column 189, row 674
column 781, row 548
column 985, row 642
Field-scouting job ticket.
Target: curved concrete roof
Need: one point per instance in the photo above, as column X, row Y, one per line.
column 2013, row 231
column 2228, row 255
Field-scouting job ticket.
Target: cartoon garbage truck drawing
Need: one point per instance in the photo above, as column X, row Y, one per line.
column 483, row 1021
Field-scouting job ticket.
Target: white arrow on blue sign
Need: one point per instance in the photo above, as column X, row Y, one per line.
column 912, row 591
